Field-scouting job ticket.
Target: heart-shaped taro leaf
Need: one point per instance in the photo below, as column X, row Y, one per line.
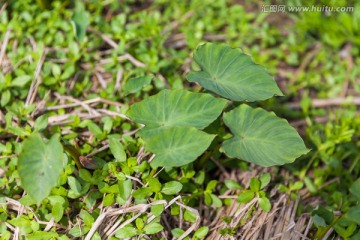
column 176, row 146
column 261, row 137
column 232, row 74
column 40, row 165
column 177, row 108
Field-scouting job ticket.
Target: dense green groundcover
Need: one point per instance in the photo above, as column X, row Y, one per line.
column 79, row 81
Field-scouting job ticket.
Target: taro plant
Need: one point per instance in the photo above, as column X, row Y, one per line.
column 176, row 121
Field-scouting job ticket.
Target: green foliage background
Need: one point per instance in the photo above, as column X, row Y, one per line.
column 162, row 34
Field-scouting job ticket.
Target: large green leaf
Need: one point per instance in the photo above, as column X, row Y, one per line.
column 177, row 146
column 232, row 74
column 177, row 108
column 40, row 165
column 261, row 137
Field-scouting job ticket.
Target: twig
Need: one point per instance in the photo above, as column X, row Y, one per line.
column 140, row 208
column 304, row 122
column 3, row 8
column 320, row 103
column 193, row 226
column 21, row 61
column 78, row 103
column 4, row 45
column 151, row 158
column 131, row 132
column 114, row 45
column 163, row 79
column 96, row 224
column 84, row 105
column 114, row 114
column 152, row 216
column 227, row 197
column 10, row 156
column 177, row 23
column 36, row 81
column 308, row 58
column 119, row 75
column 107, row 39
column 346, row 53
column 135, row 179
column 101, row 80
column 123, row 57
column 98, row 150
column 41, row 104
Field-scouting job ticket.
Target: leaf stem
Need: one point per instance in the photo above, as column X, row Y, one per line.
column 201, row 163
column 75, row 154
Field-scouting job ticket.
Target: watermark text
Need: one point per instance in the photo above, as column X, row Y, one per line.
column 323, row 8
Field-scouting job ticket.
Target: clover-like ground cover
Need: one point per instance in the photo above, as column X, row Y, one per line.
column 70, row 72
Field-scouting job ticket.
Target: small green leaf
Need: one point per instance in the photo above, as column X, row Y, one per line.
column 201, row 232
column 109, row 199
column 126, row 232
column 86, row 217
column 216, row 202
column 74, row 185
column 41, row 123
column 41, row 235
column 157, row 209
column 325, row 214
column 85, row 175
column 153, row 228
column 232, row 185
column 310, row 185
column 207, row 198
column 117, row 149
column 245, row 196
column 20, row 81
column 57, row 211
column 80, row 20
column 139, row 223
column 154, row 185
column 232, row 74
column 94, row 128
column 265, row 180
column 264, row 204
column 76, row 231
column 319, row 221
column 200, row 177
column 40, row 165
column 134, row 85
column 56, row 70
column 177, row 232
column 171, row 188
column 5, row 98
column 142, row 193
column 353, row 214
column 296, row 186
column 125, row 188
column 189, row 216
column 27, row 200
column 211, row 186
column 255, row 185
column 261, row 137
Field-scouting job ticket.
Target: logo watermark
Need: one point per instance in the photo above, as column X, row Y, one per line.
column 323, row 8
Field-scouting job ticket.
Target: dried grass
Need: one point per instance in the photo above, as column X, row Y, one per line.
column 247, row 220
